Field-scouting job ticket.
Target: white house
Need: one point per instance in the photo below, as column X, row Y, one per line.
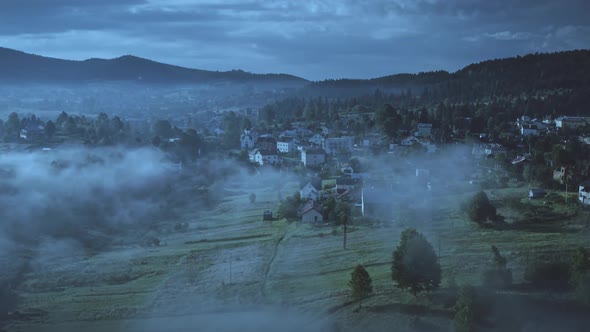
column 494, row 149
column 334, row 145
column 286, row 144
column 584, row 193
column 410, row 140
column 266, row 157
column 248, row 139
column 309, row 191
column 252, row 155
column 312, row 212
column 570, row 122
column 424, row 130
column 313, row 156
column 529, row 129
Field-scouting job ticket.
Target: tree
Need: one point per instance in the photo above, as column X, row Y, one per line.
column 49, row 129
column 63, row 117
column 360, row 284
column 156, row 141
column 252, row 198
column 329, row 206
column 479, row 209
column 415, row 266
column 13, row 124
column 288, row 207
column 343, row 212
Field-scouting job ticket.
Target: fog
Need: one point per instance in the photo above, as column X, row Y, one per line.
column 75, row 201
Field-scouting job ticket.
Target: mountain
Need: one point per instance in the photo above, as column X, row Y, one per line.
column 20, row 67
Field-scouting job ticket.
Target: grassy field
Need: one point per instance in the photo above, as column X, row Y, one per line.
column 230, row 261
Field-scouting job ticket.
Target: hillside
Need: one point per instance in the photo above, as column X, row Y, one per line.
column 532, row 73
column 20, row 67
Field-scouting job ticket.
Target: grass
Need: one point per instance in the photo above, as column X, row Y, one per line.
column 228, row 256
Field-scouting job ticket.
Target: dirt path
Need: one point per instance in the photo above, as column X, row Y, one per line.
column 269, row 265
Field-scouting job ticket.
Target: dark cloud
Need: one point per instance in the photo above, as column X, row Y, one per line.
column 310, row 38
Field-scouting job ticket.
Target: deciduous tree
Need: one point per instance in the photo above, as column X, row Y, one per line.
column 415, row 265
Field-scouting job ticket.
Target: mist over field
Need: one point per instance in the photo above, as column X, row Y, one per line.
column 310, row 165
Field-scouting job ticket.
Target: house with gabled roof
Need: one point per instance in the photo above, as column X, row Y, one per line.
column 266, row 157
column 310, row 189
column 266, row 142
column 248, row 139
column 312, row 212
column 313, row 156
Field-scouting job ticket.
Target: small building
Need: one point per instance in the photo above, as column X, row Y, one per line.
column 286, row 144
column 313, row 157
column 495, row 149
column 336, row 145
column 266, row 142
column 267, row 215
column 312, row 212
column 248, row 139
column 570, row 122
column 562, row 174
column 409, row 141
column 424, row 130
column 584, row 193
column 537, row 193
column 422, row 173
column 345, row 183
column 34, row 131
column 252, row 155
column 317, row 139
column 529, row 129
column 266, row 157
column 310, row 190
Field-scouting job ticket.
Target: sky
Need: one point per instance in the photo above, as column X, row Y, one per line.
column 314, row 39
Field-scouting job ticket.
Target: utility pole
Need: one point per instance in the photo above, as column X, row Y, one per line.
column 566, row 191
column 345, row 222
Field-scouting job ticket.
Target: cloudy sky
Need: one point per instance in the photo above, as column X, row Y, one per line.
column 314, row 39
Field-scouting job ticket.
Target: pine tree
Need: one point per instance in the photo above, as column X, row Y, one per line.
column 360, row 284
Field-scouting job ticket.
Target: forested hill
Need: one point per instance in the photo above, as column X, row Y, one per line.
column 20, row 67
column 529, row 74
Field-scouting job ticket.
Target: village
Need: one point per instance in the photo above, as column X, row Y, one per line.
column 332, row 168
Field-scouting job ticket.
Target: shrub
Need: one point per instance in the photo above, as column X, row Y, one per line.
column 479, row 209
